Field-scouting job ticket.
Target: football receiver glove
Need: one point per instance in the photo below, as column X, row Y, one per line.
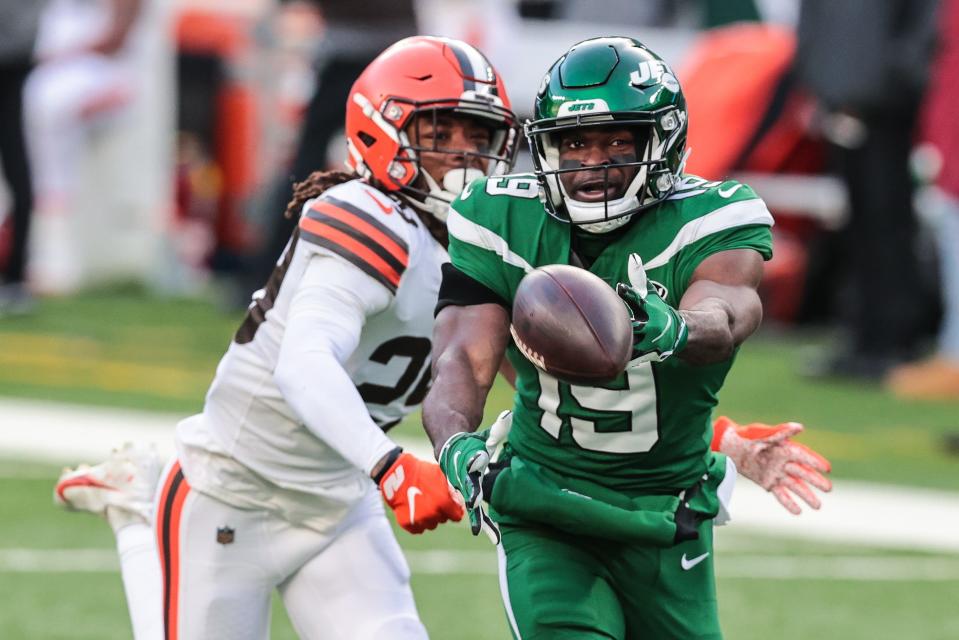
column 766, row 455
column 464, row 459
column 659, row 331
column 418, row 493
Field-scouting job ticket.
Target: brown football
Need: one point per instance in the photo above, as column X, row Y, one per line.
column 571, row 324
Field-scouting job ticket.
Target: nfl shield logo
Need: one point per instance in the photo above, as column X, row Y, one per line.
column 224, row 535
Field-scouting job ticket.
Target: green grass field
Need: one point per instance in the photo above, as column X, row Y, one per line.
column 58, row 576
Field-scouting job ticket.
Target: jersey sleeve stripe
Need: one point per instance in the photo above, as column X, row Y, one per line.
column 352, row 250
column 387, row 237
column 467, row 231
column 342, row 221
column 737, row 214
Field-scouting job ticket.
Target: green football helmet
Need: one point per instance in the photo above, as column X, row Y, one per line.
column 603, row 82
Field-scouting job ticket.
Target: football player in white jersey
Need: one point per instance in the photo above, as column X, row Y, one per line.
column 271, row 485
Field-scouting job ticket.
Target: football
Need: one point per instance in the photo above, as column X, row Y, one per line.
column 571, row 324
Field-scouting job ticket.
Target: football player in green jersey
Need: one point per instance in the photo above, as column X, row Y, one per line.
column 605, row 495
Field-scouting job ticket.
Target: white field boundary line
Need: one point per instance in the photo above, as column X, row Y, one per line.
column 856, row 513
column 69, row 434
column 860, row 568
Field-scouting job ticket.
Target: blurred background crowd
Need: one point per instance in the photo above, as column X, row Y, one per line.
column 157, row 141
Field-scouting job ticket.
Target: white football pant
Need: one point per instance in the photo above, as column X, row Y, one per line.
column 221, row 564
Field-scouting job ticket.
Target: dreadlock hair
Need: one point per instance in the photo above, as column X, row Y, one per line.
column 319, row 181
column 315, row 184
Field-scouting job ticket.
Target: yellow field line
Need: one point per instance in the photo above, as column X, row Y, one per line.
column 81, row 363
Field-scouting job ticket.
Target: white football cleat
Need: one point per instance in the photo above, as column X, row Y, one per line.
column 121, row 488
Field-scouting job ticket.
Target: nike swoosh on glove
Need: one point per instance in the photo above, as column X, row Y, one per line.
column 419, row 494
column 766, row 455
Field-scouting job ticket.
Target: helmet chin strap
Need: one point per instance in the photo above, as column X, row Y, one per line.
column 590, row 210
column 440, row 197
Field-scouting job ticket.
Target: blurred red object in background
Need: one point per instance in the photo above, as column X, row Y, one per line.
column 746, row 114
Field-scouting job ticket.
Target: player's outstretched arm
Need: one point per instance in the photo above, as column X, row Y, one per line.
column 766, row 455
column 468, row 347
column 323, row 328
column 718, row 311
column 721, row 305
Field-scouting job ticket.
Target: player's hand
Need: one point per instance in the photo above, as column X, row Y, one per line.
column 766, row 455
column 464, row 459
column 659, row 331
column 419, row 494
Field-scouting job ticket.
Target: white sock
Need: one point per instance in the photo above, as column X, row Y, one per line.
column 142, row 579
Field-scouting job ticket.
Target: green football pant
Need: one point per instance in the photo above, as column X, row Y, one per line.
column 557, row 586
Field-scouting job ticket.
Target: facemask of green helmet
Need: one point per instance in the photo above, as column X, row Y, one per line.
column 609, row 135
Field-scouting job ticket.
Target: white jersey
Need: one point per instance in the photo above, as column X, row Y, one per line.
column 335, row 349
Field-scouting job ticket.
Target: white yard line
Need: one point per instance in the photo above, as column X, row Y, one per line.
column 854, row 513
column 59, row 561
column 450, row 562
column 859, row 568
column 68, row 434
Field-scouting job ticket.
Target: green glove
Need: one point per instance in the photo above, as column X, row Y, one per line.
column 659, row 331
column 464, row 459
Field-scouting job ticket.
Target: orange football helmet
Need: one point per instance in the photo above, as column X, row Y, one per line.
column 425, row 74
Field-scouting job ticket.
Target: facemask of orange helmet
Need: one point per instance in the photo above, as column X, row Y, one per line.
column 427, row 78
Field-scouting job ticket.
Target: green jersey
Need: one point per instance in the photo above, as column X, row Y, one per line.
column 649, row 429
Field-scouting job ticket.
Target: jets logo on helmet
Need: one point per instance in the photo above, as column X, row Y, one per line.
column 652, row 71
column 581, row 106
column 612, row 84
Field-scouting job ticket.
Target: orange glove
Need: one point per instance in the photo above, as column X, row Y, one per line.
column 419, row 494
column 766, row 455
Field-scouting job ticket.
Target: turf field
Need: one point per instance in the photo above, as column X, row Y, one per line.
column 58, row 574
